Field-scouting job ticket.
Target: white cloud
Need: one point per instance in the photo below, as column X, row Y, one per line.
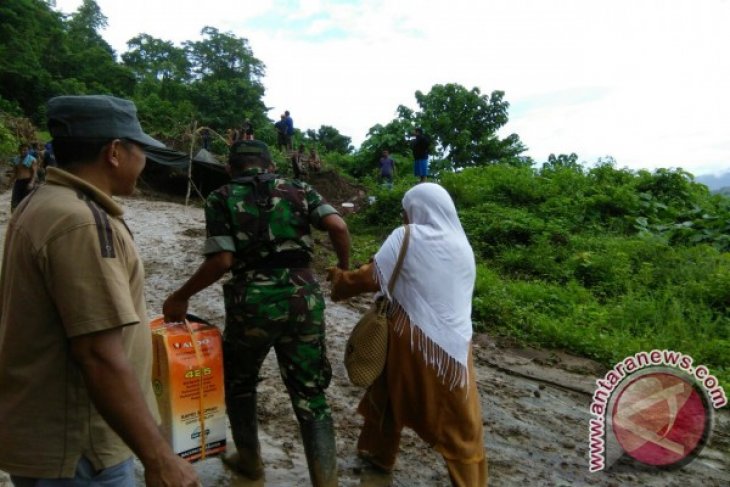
column 657, row 68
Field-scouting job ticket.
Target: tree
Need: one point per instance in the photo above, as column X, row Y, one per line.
column 567, row 161
column 44, row 54
column 330, row 139
column 461, row 123
column 151, row 59
column 30, row 41
column 391, row 137
column 224, row 56
column 215, row 80
column 464, row 124
column 163, row 76
column 89, row 58
column 88, row 20
column 227, row 86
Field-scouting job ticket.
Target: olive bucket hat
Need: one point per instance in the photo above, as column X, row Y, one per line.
column 96, row 117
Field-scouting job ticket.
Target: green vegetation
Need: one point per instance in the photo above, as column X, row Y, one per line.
column 602, row 261
column 215, row 81
column 605, row 262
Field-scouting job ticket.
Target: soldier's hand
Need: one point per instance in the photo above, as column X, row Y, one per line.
column 174, row 309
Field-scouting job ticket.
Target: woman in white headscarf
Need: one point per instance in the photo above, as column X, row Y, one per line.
column 428, row 383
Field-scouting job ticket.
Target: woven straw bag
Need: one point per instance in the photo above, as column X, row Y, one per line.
column 367, row 347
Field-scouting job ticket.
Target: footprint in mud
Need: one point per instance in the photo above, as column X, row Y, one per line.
column 193, row 232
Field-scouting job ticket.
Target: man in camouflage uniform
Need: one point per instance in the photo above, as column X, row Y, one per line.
column 258, row 227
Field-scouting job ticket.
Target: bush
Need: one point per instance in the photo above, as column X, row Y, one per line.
column 8, row 142
column 492, row 228
column 385, row 209
column 604, row 263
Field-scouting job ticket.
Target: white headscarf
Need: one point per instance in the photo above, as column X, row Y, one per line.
column 436, row 282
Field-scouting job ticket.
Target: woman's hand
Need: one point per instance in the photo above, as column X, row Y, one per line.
column 334, row 275
column 346, row 284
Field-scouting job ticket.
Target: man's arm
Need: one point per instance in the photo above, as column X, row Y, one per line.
column 213, row 268
column 114, row 389
column 33, row 174
column 340, row 238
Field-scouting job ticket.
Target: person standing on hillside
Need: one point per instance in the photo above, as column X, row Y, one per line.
column 205, row 137
column 280, row 127
column 25, row 175
column 387, row 169
column 259, row 227
column 289, row 130
column 298, row 162
column 247, row 130
column 420, row 145
column 75, row 350
column 314, row 162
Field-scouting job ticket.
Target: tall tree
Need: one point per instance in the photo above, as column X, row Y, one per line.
column 88, row 20
column 227, row 87
column 392, row 136
column 154, row 59
column 162, row 94
column 31, row 37
column 461, row 123
column 90, row 59
column 330, row 139
column 464, row 124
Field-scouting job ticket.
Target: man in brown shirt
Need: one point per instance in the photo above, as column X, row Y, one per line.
column 75, row 348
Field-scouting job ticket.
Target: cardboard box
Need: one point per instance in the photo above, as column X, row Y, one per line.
column 187, row 377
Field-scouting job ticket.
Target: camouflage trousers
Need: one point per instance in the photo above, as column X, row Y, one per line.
column 283, row 309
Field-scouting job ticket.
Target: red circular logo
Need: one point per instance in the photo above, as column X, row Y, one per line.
column 660, row 419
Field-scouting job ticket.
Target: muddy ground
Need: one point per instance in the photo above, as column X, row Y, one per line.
column 535, row 402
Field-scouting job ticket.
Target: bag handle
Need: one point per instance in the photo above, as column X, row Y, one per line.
column 401, row 258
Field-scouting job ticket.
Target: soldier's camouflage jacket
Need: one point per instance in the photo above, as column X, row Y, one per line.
column 265, row 221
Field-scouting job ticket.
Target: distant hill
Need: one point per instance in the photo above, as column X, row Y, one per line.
column 715, row 182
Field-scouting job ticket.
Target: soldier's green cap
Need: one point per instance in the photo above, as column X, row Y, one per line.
column 96, row 117
column 250, row 148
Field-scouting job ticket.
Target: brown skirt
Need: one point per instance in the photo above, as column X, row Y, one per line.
column 409, row 393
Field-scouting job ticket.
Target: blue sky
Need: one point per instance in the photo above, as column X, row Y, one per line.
column 644, row 81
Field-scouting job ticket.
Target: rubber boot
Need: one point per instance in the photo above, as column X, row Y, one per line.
column 318, row 437
column 244, row 426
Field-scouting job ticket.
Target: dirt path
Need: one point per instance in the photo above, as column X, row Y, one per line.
column 535, row 403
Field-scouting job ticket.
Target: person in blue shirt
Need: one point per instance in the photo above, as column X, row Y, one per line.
column 25, row 175
column 280, row 127
column 289, row 123
column 420, row 146
column 387, row 169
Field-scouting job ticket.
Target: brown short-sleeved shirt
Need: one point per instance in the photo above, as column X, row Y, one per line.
column 70, row 267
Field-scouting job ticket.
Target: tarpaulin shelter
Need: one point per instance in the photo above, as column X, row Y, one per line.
column 167, row 170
